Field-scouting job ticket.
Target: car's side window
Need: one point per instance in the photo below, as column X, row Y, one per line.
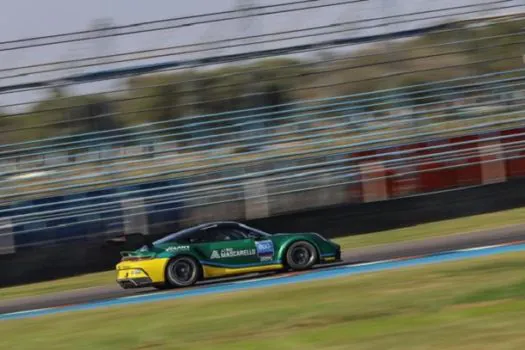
column 182, row 238
column 198, row 236
column 247, row 233
column 219, row 234
column 236, row 233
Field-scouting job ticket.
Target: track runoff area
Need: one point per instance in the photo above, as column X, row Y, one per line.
column 333, row 271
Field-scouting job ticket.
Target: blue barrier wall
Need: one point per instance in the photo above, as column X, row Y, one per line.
column 79, row 223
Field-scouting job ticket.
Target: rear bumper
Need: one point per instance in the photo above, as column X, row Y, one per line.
column 139, row 274
column 133, row 278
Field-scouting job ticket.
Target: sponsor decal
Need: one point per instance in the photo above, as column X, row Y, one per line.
column 264, row 250
column 231, row 253
column 178, row 248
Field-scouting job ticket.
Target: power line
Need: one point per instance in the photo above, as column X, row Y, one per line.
column 260, row 70
column 245, row 39
column 126, row 72
column 120, row 73
column 134, row 25
column 166, row 25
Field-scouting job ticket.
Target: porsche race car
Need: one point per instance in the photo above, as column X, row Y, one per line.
column 220, row 249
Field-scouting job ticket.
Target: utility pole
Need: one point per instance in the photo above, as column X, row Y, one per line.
column 247, row 26
column 102, row 40
column 248, row 21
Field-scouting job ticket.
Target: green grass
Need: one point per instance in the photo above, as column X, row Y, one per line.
column 60, row 285
column 436, row 229
column 472, row 304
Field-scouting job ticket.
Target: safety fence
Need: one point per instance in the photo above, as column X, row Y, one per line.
column 257, row 159
column 327, row 174
column 479, row 103
column 362, row 176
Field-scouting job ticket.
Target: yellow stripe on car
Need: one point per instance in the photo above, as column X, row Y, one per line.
column 213, row 271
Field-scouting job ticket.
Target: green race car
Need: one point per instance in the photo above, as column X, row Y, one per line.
column 220, row 249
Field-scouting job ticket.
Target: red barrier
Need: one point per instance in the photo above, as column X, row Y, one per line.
column 469, row 160
column 515, row 166
column 493, row 162
column 467, row 166
column 434, row 172
column 373, row 184
column 354, row 190
column 403, row 179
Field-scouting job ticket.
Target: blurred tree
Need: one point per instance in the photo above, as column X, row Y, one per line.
column 167, row 102
column 275, row 98
column 62, row 114
column 168, row 97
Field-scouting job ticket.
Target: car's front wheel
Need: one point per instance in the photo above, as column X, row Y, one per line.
column 301, row 256
column 182, row 271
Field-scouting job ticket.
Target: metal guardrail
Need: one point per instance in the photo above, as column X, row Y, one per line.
column 297, row 173
column 209, row 199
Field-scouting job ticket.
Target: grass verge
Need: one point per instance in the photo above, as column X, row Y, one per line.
column 436, row 229
column 471, row 304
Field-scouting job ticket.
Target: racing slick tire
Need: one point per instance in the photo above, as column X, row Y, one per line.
column 183, row 271
column 301, row 255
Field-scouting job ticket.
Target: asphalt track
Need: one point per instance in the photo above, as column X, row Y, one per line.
column 354, row 261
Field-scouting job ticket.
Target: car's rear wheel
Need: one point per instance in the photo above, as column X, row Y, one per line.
column 182, row 271
column 301, row 256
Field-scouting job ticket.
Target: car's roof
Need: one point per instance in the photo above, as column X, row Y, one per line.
column 198, row 227
column 219, row 223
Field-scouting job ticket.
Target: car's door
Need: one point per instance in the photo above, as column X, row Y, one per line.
column 264, row 246
column 227, row 247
